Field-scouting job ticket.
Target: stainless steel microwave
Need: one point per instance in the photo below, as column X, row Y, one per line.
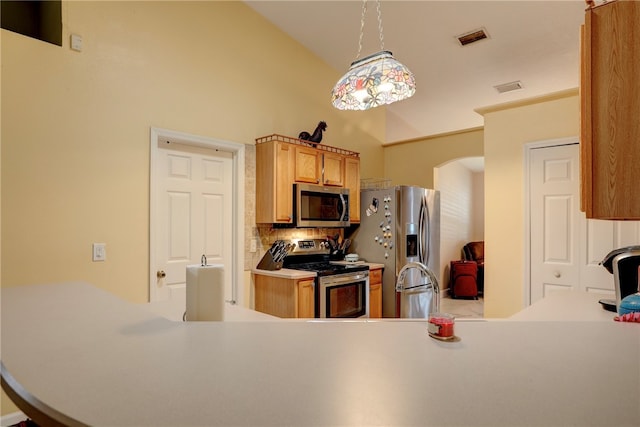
column 317, row 206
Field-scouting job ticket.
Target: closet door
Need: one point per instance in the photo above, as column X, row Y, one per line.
column 567, row 248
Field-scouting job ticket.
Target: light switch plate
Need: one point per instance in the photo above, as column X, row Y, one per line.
column 99, row 252
column 76, row 42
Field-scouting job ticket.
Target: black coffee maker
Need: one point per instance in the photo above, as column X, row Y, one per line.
column 624, row 264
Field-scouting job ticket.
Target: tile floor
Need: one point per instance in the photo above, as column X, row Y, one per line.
column 463, row 308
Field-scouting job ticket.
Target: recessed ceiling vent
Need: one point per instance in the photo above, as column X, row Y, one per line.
column 472, row 36
column 508, row 87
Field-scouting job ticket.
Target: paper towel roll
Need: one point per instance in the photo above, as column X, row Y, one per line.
column 205, row 292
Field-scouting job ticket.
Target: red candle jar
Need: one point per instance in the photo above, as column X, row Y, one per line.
column 441, row 325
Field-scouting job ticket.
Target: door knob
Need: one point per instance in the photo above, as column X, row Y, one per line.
column 161, row 274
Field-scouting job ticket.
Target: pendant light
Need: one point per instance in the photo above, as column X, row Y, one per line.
column 374, row 80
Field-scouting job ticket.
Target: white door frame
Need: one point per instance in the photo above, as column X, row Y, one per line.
column 528, row 147
column 238, row 173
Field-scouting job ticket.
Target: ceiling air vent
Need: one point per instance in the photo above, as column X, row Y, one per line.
column 472, row 36
column 508, row 87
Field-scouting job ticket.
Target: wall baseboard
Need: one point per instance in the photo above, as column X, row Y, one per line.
column 12, row 418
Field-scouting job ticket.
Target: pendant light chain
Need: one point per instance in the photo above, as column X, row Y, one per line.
column 364, row 14
column 380, row 26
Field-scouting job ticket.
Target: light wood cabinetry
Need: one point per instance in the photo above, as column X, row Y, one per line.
column 315, row 167
column 274, row 178
column 286, row 298
column 306, row 298
column 375, row 293
column 352, row 182
column 610, row 107
column 308, row 165
column 283, row 161
column 333, row 169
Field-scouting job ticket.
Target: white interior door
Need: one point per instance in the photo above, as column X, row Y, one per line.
column 555, row 219
column 193, row 216
column 566, row 248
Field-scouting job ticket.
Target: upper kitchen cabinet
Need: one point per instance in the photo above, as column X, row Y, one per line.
column 610, row 107
column 274, row 178
column 308, row 165
column 352, row 182
column 333, row 169
column 282, row 161
column 314, row 166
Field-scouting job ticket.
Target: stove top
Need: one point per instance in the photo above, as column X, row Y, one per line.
column 315, row 255
column 326, row 268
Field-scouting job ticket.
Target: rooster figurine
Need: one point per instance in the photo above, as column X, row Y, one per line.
column 317, row 134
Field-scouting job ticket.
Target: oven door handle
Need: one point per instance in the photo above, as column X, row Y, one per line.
column 348, row 278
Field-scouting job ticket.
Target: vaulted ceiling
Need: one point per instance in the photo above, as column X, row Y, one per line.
column 533, row 42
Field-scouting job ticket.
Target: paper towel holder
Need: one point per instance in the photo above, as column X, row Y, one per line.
column 203, row 260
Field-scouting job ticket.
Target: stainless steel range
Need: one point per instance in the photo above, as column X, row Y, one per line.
column 341, row 291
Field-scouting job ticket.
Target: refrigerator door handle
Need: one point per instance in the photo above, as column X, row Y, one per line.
column 423, row 231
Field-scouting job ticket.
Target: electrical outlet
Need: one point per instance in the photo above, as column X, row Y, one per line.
column 99, row 252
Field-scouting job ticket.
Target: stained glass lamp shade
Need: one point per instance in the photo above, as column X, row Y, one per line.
column 372, row 81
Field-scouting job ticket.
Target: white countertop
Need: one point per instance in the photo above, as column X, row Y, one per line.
column 83, row 356
column 567, row 305
column 174, row 310
column 287, row 273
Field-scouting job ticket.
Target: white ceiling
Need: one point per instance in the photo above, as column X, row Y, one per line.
column 536, row 42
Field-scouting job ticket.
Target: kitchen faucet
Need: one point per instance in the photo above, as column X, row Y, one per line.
column 414, row 297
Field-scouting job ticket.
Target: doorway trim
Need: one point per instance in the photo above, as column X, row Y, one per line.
column 238, row 173
column 528, row 148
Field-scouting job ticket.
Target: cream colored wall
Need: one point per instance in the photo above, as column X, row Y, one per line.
column 478, row 206
column 76, row 131
column 412, row 162
column 507, row 129
column 75, row 125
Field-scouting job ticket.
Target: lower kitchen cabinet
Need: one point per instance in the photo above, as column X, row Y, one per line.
column 375, row 293
column 306, row 298
column 286, row 298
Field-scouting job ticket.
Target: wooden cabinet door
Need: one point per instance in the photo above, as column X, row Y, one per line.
column 610, row 129
column 306, row 300
column 307, row 166
column 333, row 169
column 284, row 183
column 375, row 293
column 274, row 183
column 352, row 182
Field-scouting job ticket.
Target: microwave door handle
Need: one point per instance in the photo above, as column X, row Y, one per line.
column 343, row 207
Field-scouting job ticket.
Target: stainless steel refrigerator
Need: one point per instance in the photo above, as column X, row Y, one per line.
column 399, row 226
